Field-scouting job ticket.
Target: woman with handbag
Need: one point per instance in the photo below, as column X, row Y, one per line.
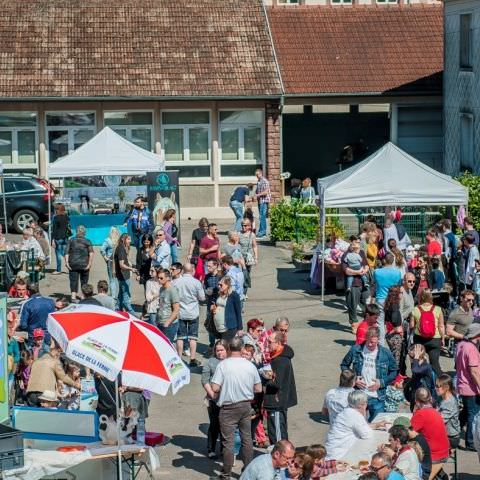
column 249, row 249
column 227, row 310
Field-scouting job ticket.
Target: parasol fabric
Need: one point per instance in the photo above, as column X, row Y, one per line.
column 111, row 342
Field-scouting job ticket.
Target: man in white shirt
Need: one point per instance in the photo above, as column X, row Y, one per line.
column 190, row 291
column 336, row 399
column 350, row 425
column 161, row 252
column 237, row 380
column 268, row 466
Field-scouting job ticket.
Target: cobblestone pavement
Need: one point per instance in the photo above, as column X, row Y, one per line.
column 319, row 336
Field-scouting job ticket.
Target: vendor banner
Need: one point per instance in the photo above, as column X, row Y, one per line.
column 163, row 194
column 107, row 194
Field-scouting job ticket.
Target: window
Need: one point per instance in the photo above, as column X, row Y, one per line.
column 137, row 127
column 466, row 141
column 18, row 139
column 338, row 2
column 186, row 141
column 386, row 1
column 66, row 131
column 466, row 39
column 241, row 142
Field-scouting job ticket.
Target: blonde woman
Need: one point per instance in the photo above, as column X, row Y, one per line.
column 106, row 250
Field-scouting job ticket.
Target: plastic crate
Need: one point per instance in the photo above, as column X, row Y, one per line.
column 11, row 448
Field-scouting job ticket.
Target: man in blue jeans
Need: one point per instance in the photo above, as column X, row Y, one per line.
column 264, row 197
column 237, row 203
column 375, row 368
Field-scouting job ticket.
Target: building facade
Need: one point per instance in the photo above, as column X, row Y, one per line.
column 195, row 82
column 355, row 77
column 462, row 86
column 219, row 88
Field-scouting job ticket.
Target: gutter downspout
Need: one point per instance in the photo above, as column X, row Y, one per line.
column 282, row 87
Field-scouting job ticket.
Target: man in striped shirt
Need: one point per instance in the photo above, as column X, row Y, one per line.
column 264, row 197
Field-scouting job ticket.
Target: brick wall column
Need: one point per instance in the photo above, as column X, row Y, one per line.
column 272, row 133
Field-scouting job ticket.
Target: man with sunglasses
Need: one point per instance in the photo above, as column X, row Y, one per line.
column 269, row 466
column 462, row 317
column 407, row 304
column 168, row 306
column 381, row 464
column 160, row 252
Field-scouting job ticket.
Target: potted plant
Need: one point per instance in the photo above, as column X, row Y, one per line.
column 302, row 254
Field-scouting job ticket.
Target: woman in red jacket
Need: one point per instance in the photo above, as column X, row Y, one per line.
column 429, row 422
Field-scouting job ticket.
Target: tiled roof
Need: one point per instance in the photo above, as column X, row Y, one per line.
column 359, row 49
column 135, row 48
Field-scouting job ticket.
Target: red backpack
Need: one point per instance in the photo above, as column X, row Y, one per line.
column 427, row 325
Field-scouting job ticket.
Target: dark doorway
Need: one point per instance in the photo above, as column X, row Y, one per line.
column 313, row 143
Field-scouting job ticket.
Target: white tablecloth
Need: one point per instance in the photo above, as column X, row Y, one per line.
column 41, row 463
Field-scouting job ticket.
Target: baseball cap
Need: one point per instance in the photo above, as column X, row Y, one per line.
column 38, row 332
column 399, row 378
column 402, row 421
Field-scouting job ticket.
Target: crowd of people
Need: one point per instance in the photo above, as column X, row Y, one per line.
column 417, row 303
column 407, row 305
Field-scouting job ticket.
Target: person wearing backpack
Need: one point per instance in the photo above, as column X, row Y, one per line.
column 429, row 328
column 78, row 259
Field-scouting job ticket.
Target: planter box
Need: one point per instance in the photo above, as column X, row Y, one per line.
column 302, row 265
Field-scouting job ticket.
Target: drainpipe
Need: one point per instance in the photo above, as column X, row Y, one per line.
column 282, row 89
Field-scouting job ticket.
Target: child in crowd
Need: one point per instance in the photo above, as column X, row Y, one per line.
column 436, row 278
column 38, row 347
column 70, row 396
column 394, row 396
column 355, row 262
column 322, row 467
column 23, row 375
column 448, row 408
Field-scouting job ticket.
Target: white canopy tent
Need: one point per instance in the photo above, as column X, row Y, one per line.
column 388, row 177
column 107, row 153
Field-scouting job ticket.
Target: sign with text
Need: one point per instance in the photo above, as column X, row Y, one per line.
column 163, row 194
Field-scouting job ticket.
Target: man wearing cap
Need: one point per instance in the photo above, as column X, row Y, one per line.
column 38, row 347
column 467, row 365
column 421, row 441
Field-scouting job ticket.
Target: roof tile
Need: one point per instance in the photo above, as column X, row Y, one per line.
column 135, row 48
column 359, row 49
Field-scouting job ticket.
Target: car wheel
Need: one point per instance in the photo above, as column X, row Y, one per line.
column 22, row 219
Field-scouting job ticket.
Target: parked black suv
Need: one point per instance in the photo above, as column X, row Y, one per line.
column 26, row 198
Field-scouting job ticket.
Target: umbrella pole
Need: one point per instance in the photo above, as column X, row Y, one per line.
column 119, row 451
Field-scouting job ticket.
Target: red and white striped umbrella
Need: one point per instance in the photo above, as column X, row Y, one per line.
column 111, row 342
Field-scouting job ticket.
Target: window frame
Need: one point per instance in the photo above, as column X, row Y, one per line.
column 471, row 119
column 386, row 2
column 128, row 128
column 15, row 164
column 186, row 140
column 241, row 142
column 465, row 66
column 341, row 2
column 69, row 128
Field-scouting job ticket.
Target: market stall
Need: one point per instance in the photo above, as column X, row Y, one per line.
column 114, row 170
column 119, row 347
column 388, row 177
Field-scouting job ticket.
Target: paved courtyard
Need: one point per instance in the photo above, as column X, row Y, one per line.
column 319, row 336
